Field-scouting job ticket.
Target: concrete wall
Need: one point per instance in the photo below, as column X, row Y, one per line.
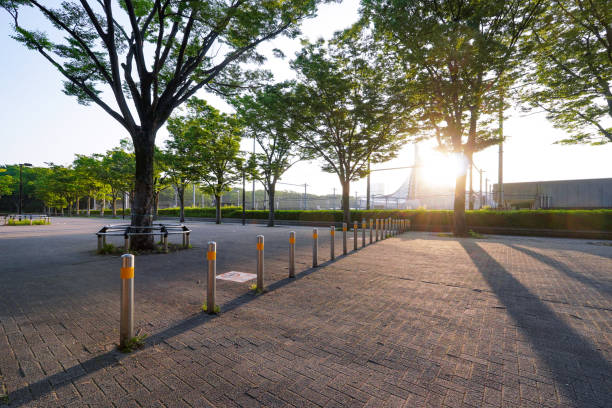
column 589, row 193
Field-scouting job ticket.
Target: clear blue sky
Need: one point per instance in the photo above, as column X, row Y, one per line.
column 40, row 124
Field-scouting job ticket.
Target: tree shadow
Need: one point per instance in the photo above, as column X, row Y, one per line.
column 48, row 384
column 571, row 359
column 601, row 287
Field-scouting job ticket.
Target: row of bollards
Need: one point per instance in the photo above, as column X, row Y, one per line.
column 378, row 229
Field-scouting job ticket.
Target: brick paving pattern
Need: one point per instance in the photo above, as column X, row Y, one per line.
column 416, row 320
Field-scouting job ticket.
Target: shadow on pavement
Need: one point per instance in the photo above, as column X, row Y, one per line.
column 601, row 287
column 570, row 358
column 41, row 388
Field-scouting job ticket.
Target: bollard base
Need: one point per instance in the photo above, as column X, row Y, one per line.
column 129, row 345
column 216, row 309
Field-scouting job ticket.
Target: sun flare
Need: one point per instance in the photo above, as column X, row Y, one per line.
column 441, row 169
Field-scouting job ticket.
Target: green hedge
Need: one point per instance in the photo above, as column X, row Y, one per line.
column 575, row 220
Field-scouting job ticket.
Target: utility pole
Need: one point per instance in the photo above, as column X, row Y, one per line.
column 356, row 201
column 334, row 199
column 305, row 197
column 243, row 197
column 487, row 191
column 368, row 188
column 471, row 201
column 480, row 190
column 21, row 186
column 193, row 195
column 500, row 181
column 253, row 197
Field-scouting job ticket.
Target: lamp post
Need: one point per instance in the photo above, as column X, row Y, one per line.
column 21, row 185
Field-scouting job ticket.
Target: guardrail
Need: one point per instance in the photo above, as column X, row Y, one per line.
column 5, row 218
column 127, row 231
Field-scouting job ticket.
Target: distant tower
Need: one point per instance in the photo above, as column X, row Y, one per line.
column 414, row 174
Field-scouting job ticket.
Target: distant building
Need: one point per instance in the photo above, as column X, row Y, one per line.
column 568, row 194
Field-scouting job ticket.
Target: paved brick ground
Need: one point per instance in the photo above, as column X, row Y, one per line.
column 416, row 320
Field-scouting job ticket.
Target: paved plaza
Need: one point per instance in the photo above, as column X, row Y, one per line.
column 415, row 320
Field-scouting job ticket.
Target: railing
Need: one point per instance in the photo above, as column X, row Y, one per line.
column 5, row 218
column 127, row 231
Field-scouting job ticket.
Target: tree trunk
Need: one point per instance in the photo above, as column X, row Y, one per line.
column 181, row 196
column 271, row 192
column 88, row 206
column 459, row 224
column 346, row 208
column 78, row 207
column 157, row 204
column 114, row 205
column 102, row 205
column 218, row 209
column 142, row 206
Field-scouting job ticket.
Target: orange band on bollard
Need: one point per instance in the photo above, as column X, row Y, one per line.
column 315, row 235
column 127, row 273
column 260, row 247
column 332, row 232
column 291, row 240
column 343, row 228
column 211, row 256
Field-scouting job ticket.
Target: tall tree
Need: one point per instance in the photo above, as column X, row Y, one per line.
column 118, row 174
column 346, row 112
column 267, row 117
column 151, row 56
column 181, row 159
column 453, row 53
column 572, row 75
column 6, row 183
column 88, row 172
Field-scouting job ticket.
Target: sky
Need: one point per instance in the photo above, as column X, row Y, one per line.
column 39, row 124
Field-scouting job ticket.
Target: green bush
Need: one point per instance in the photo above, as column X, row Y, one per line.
column 27, row 222
column 575, row 220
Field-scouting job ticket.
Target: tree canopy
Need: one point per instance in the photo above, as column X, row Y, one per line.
column 346, row 111
column 571, row 51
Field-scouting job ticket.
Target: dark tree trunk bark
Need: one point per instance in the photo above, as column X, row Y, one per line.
column 218, row 209
column 471, row 185
column 271, row 192
column 181, row 194
column 142, row 208
column 346, row 208
column 102, row 205
column 78, row 207
column 459, row 224
column 114, row 205
column 89, row 206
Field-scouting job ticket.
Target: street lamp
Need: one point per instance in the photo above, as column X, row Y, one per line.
column 21, row 186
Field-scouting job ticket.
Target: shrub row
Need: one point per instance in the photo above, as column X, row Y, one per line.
column 574, row 220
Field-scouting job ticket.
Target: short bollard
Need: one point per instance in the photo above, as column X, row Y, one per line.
column 292, row 254
column 165, row 242
column 126, row 328
column 371, row 222
column 315, row 247
column 332, row 233
column 211, row 277
column 260, row 263
column 99, row 242
column 377, row 228
column 187, row 240
column 355, row 230
column 363, row 229
column 344, row 238
column 126, row 244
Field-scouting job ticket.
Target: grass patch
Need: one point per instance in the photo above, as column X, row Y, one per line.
column 133, row 344
column 27, row 222
column 471, row 234
column 216, row 311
